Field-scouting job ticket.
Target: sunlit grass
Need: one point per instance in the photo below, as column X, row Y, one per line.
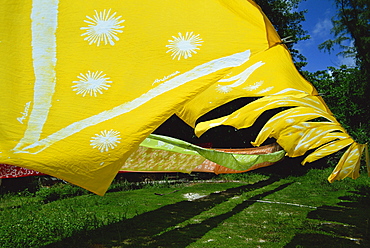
column 245, row 210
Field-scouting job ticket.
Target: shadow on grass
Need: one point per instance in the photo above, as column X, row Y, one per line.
column 345, row 225
column 181, row 237
column 143, row 230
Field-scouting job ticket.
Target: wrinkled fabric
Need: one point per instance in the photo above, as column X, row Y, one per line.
column 164, row 154
column 84, row 83
column 161, row 153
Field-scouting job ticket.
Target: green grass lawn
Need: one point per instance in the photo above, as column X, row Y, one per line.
column 251, row 210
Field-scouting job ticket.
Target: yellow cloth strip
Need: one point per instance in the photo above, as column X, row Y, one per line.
column 349, row 164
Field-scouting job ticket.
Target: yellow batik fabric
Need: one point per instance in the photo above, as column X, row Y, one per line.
column 349, row 164
column 84, row 82
column 270, row 73
column 293, row 129
column 272, row 76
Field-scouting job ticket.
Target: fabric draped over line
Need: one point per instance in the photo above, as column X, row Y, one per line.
column 174, row 155
column 83, row 85
column 165, row 154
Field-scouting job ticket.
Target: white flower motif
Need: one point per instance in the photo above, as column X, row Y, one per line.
column 184, row 46
column 105, row 140
column 91, row 83
column 103, row 27
column 223, row 88
column 254, row 86
column 265, row 90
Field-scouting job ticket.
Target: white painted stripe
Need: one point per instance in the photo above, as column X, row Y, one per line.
column 198, row 72
column 243, row 76
column 284, row 91
column 44, row 21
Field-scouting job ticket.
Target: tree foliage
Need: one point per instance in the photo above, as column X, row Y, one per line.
column 347, row 89
column 352, row 23
column 343, row 91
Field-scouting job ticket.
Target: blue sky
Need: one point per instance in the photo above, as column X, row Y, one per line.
column 318, row 24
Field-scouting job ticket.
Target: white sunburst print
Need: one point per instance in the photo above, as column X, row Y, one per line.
column 184, row 46
column 254, row 86
column 223, row 88
column 91, row 83
column 266, row 90
column 106, row 140
column 103, row 27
